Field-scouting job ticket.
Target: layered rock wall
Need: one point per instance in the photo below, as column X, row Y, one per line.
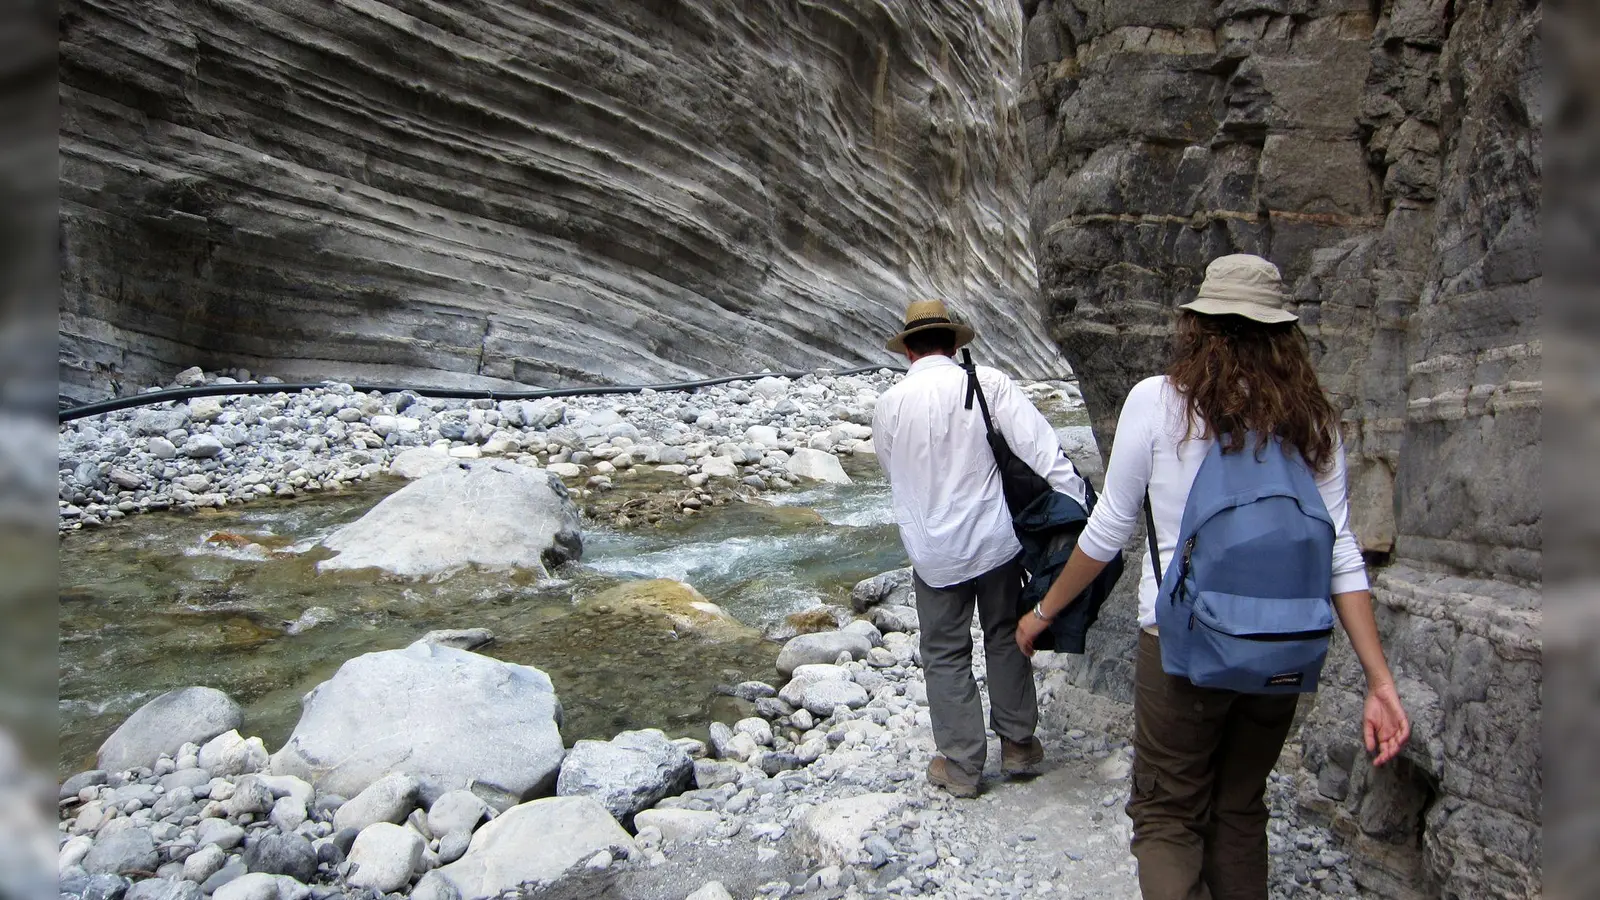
column 536, row 193
column 1386, row 155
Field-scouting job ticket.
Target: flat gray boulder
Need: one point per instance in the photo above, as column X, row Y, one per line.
column 192, row 714
column 893, row 617
column 819, row 648
column 121, row 851
column 534, row 843
column 893, row 587
column 450, row 718
column 631, row 772
column 490, row 513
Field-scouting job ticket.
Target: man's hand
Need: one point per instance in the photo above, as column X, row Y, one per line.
column 1029, row 627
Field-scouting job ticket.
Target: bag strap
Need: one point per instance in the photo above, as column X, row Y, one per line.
column 1150, row 534
column 975, row 390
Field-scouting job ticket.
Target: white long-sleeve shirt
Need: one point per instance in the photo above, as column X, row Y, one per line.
column 947, row 496
column 1150, row 451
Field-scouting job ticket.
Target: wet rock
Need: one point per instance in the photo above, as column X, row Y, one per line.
column 816, row 465
column 460, row 638
column 519, row 518
column 193, row 714
column 821, row 647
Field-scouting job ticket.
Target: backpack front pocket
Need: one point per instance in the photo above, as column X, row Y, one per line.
column 1258, row 645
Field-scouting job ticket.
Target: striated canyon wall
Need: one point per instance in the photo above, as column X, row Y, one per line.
column 499, row 192
column 1386, row 155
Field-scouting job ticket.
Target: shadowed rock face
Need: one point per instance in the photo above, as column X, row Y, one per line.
column 543, row 193
column 1387, row 157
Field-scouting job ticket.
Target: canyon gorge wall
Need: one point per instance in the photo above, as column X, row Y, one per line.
column 1386, row 155
column 496, row 193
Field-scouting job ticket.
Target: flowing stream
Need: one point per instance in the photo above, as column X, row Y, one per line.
column 231, row 599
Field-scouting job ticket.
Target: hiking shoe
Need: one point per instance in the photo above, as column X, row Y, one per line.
column 942, row 773
column 1021, row 758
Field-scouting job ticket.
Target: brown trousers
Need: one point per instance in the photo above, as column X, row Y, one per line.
column 1200, row 767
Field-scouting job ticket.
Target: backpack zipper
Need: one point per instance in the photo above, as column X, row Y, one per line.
column 1268, row 637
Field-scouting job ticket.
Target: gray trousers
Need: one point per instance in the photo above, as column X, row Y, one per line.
column 953, row 702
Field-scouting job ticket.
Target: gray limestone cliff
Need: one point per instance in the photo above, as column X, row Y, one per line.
column 1386, row 155
column 492, row 193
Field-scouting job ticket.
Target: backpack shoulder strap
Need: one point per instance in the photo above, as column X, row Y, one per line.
column 1150, row 535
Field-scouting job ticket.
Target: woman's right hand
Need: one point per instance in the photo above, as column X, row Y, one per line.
column 1384, row 723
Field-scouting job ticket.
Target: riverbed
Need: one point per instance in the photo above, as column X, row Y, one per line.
column 230, row 598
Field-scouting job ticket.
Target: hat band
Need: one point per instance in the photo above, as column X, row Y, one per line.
column 936, row 320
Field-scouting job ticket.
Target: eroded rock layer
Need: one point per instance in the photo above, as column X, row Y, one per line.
column 1386, row 155
column 538, row 193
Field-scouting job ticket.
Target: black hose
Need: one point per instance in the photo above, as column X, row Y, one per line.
column 220, row 390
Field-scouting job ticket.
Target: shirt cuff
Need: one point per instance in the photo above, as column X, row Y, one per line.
column 1346, row 582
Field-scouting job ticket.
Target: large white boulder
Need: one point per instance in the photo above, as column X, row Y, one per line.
column 450, row 718
column 630, row 772
column 816, row 465
column 188, row 715
column 534, row 843
column 490, row 513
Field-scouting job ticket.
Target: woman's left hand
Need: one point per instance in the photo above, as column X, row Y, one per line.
column 1029, row 627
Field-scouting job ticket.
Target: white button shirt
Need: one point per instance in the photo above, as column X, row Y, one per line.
column 947, row 497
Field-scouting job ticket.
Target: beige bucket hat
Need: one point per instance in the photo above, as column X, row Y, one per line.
column 923, row 315
column 1241, row 284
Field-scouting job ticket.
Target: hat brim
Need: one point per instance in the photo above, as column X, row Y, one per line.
column 964, row 335
column 1256, row 311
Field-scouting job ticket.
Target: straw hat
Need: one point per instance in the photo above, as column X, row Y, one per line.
column 1242, row 285
column 923, row 315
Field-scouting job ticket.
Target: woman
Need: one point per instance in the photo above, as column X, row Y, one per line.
column 1201, row 756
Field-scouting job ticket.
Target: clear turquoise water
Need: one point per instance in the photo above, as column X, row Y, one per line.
column 156, row 602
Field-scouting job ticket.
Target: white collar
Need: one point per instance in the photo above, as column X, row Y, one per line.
column 930, row 361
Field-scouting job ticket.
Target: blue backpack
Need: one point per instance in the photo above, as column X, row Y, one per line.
column 1247, row 605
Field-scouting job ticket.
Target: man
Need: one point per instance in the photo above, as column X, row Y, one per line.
column 957, row 531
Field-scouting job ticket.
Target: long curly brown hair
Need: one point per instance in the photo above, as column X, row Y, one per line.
column 1239, row 376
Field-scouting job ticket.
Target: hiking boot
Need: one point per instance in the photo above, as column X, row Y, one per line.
column 1021, row 758
column 942, row 773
